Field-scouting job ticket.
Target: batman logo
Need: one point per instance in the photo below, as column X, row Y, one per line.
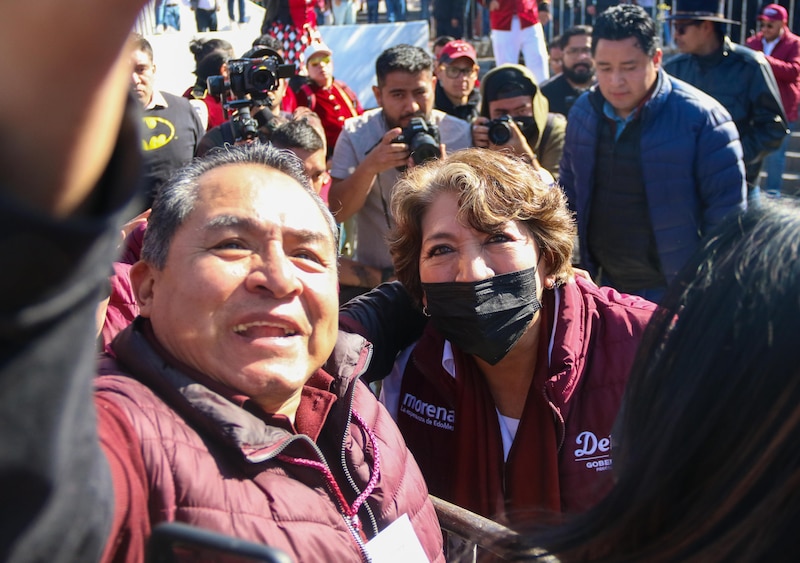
column 161, row 133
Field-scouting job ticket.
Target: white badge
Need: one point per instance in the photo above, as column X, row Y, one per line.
column 398, row 542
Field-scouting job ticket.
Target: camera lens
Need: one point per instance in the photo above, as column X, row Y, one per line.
column 262, row 79
column 499, row 132
column 424, row 148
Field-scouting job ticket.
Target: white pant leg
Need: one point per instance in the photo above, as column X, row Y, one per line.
column 534, row 50
column 352, row 11
column 506, row 45
column 344, row 13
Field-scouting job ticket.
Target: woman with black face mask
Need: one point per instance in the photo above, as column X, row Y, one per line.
column 508, row 398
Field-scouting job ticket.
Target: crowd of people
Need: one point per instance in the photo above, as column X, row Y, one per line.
column 255, row 307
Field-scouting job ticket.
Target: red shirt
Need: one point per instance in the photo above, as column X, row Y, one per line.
column 333, row 105
column 215, row 113
column 526, row 10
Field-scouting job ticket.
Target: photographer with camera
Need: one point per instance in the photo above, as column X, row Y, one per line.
column 374, row 148
column 253, row 86
column 515, row 118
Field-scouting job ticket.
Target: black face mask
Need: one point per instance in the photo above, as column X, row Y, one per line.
column 528, row 128
column 484, row 318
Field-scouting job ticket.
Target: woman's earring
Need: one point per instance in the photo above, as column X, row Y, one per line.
column 425, row 311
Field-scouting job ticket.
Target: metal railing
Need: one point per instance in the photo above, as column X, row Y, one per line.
column 466, row 531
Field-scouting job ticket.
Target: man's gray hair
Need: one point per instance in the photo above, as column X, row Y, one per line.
column 177, row 198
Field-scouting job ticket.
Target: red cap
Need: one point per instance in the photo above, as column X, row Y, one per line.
column 455, row 50
column 774, row 13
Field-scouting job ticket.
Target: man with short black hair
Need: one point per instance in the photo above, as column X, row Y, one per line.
column 650, row 163
column 739, row 78
column 170, row 128
column 367, row 160
column 300, row 137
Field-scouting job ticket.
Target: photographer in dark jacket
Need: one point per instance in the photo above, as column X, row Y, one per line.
column 739, row 78
column 534, row 133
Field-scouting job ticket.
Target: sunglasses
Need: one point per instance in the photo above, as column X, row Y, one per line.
column 680, row 28
column 455, row 72
column 319, row 61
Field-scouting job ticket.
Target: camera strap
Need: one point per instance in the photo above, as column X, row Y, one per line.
column 384, row 203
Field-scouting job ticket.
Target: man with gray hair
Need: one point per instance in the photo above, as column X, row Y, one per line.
column 213, row 407
column 221, row 377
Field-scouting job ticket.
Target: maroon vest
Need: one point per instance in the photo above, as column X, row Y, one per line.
column 597, row 331
column 213, row 464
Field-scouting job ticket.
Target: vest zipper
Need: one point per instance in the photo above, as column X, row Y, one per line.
column 342, row 458
column 349, row 513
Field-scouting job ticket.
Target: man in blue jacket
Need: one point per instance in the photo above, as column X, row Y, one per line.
column 649, row 164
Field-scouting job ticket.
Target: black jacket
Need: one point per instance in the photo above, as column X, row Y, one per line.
column 467, row 112
column 742, row 81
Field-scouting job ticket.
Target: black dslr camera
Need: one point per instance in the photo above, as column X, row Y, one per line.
column 256, row 78
column 500, row 129
column 422, row 139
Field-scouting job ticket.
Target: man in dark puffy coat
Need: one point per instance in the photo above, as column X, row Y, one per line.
column 650, row 163
column 738, row 77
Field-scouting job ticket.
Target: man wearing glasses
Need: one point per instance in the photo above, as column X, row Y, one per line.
column 782, row 49
column 456, row 75
column 736, row 76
